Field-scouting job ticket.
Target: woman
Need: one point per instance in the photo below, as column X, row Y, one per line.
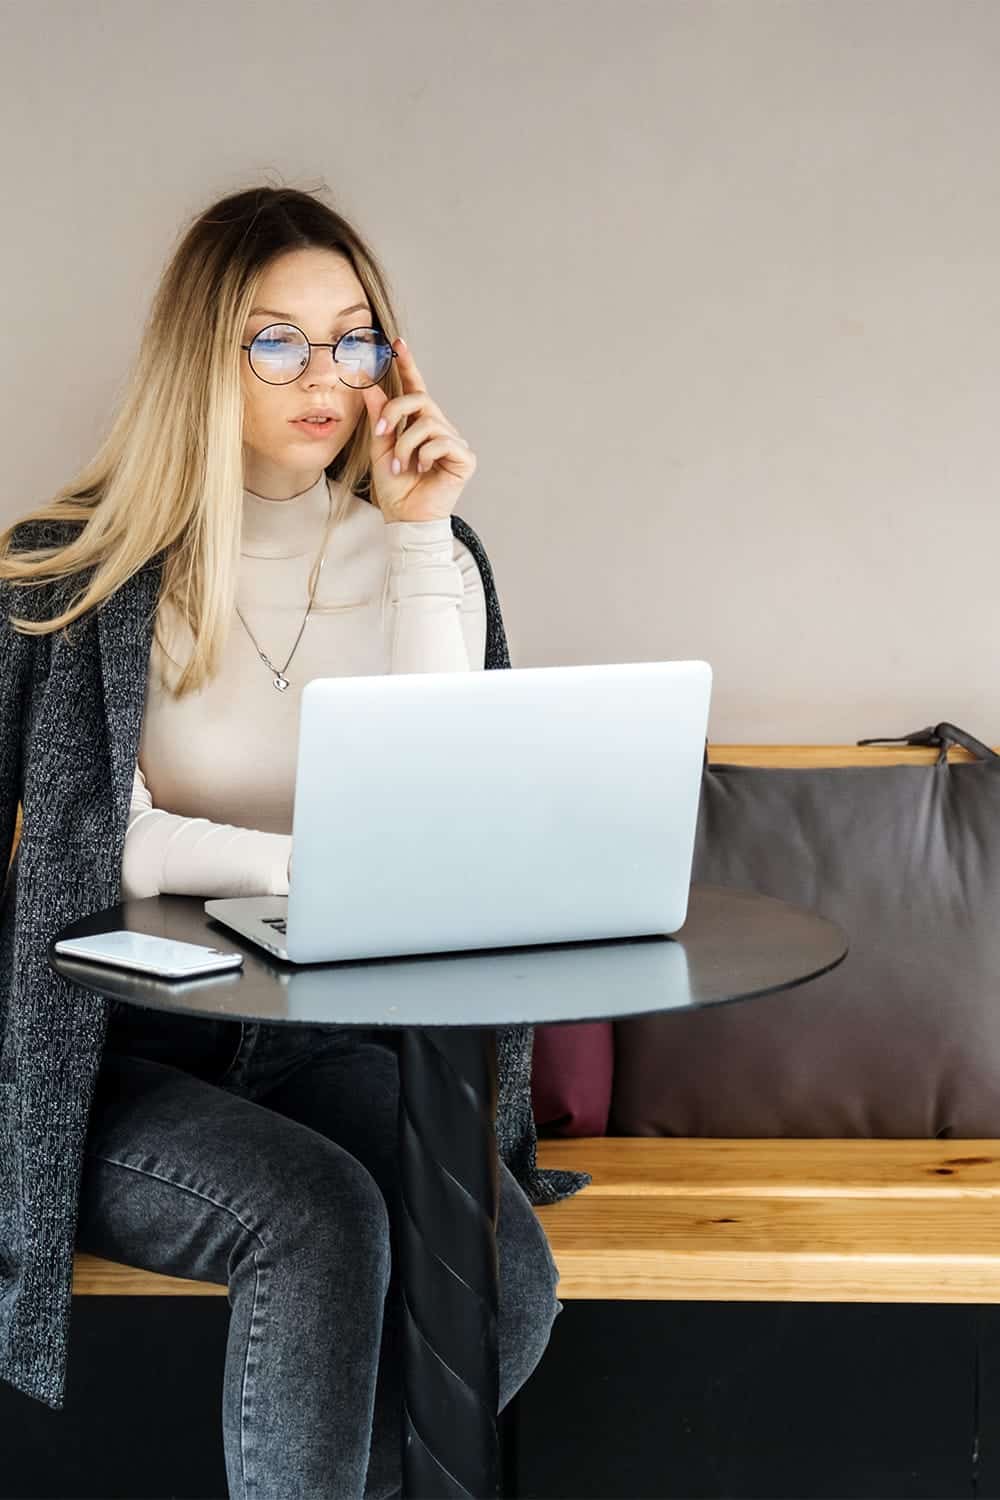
column 160, row 617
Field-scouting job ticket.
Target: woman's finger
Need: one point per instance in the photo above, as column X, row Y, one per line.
column 410, row 375
column 414, row 398
column 398, row 407
column 445, row 447
column 427, row 427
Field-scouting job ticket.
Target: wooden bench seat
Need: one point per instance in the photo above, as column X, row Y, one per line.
column 752, row 1220
column 771, row 1221
column 779, row 1220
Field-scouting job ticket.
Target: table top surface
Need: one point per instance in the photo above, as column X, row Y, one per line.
column 734, row 945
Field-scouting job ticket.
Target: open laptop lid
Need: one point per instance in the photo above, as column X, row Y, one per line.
column 440, row 811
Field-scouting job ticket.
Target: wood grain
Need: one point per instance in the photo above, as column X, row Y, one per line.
column 779, row 1220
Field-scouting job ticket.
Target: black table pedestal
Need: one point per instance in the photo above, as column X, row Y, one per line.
column 448, row 1255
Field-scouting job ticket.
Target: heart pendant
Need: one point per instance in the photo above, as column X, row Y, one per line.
column 280, row 683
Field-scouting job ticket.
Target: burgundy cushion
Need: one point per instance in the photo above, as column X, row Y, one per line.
column 571, row 1077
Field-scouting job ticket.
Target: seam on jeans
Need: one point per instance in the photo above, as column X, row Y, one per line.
column 246, row 1368
column 231, row 1064
column 207, row 1197
column 181, row 1188
column 234, row 1077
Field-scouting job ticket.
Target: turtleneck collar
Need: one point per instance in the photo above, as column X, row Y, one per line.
column 285, row 528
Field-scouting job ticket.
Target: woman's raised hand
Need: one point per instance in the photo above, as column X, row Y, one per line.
column 432, row 463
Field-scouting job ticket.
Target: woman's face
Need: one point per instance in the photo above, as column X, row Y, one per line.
column 318, row 292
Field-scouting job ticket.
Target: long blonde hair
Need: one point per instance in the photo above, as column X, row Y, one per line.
column 169, row 475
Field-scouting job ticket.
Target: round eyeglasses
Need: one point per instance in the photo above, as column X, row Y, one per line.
column 280, row 353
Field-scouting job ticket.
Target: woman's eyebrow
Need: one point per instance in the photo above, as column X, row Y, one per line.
column 288, row 318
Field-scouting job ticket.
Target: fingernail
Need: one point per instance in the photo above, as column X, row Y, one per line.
column 395, row 466
column 380, row 428
column 402, row 343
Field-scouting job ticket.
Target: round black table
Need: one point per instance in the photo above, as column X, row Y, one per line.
column 733, row 946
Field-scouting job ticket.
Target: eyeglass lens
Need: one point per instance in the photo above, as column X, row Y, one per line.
column 280, row 353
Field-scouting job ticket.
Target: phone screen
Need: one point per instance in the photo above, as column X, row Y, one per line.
column 149, row 954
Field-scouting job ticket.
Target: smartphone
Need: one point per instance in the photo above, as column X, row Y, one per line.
column 166, row 957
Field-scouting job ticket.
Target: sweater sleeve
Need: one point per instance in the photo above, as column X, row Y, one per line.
column 168, row 853
column 436, row 599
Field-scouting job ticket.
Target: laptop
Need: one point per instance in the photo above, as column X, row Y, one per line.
column 438, row 812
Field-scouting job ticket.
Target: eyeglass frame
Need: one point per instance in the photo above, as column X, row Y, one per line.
column 311, row 346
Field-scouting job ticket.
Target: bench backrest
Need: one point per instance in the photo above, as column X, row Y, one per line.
column 792, row 757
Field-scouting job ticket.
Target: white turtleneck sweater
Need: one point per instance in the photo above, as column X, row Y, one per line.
column 213, row 793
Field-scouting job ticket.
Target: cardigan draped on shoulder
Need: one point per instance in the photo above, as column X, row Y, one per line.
column 71, row 707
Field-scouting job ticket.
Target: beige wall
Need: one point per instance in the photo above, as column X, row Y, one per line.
column 753, row 244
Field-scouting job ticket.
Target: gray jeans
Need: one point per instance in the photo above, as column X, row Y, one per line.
column 263, row 1158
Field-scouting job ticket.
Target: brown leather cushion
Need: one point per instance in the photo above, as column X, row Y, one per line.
column 903, row 1039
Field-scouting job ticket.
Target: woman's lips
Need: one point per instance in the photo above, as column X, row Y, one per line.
column 315, row 429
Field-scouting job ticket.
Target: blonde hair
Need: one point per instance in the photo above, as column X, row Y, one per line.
column 169, row 476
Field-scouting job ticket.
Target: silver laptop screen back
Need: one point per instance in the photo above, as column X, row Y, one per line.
column 452, row 810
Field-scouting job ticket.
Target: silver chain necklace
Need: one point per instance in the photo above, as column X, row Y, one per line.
column 280, row 681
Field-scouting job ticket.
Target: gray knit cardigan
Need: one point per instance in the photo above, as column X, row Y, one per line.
column 71, row 708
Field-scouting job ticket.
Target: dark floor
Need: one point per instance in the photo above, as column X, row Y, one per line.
column 746, row 1401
